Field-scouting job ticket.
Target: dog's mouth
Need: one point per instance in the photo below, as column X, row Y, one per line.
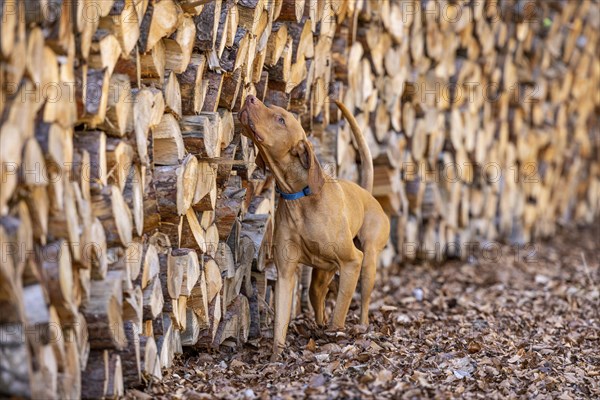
column 249, row 124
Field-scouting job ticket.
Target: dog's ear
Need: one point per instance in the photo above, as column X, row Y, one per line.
column 303, row 150
column 305, row 153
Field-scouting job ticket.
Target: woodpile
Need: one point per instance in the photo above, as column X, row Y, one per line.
column 136, row 220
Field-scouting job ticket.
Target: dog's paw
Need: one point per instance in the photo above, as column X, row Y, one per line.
column 275, row 357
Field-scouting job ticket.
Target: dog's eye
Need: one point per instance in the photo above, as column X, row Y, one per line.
column 281, row 120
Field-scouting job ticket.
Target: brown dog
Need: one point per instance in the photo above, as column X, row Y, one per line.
column 317, row 224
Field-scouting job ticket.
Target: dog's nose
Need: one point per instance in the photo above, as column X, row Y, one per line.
column 251, row 99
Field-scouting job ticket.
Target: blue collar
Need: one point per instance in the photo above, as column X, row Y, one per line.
column 293, row 196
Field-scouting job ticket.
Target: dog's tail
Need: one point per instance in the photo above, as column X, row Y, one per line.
column 366, row 161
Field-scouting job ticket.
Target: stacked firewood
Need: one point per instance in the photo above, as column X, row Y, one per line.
column 481, row 118
column 131, row 224
column 134, row 221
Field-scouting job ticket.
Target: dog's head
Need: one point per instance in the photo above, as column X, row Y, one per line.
column 280, row 137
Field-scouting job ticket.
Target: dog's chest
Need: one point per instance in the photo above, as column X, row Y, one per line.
column 320, row 238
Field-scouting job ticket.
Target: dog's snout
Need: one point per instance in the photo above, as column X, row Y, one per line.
column 251, row 99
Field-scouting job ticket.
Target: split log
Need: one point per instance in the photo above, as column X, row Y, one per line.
column 119, row 113
column 152, row 64
column 187, row 261
column 191, row 85
column 105, row 51
column 94, row 143
column 130, row 356
column 161, row 19
column 55, row 263
column 119, row 159
column 178, row 50
column 112, row 211
column 189, row 337
column 172, row 94
column 207, row 23
column 124, row 24
column 213, row 91
column 192, row 234
column 234, row 325
column 104, row 375
column 148, row 111
column 256, row 227
column 168, row 146
column 291, row 10
column 201, row 134
column 175, row 186
column 150, row 363
column 103, row 313
column 153, row 299
column 93, row 97
column 133, row 193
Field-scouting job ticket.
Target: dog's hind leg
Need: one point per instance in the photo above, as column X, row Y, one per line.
column 367, row 281
column 349, row 273
column 319, row 286
column 373, row 236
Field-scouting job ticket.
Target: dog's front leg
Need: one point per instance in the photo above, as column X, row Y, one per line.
column 284, row 290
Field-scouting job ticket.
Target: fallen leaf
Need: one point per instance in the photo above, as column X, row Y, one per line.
column 311, row 345
column 331, row 348
column 462, row 367
column 383, row 376
column 474, row 347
